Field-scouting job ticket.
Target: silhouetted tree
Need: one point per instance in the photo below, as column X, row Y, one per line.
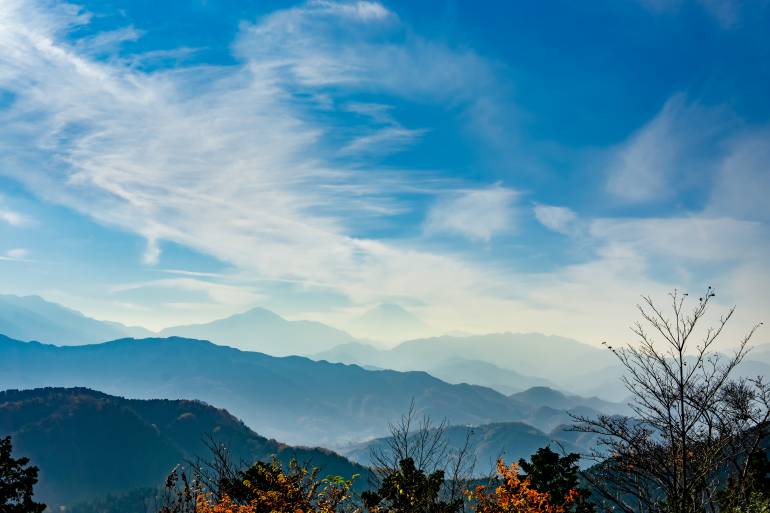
column 424, row 442
column 558, row 476
column 692, row 426
column 17, row 480
column 219, row 485
column 410, row 490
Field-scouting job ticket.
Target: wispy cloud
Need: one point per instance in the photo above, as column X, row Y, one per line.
column 248, row 163
column 558, row 219
column 15, row 255
column 12, row 218
column 230, row 161
column 477, row 214
column 670, row 154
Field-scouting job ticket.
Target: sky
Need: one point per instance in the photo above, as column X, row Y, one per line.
column 489, row 166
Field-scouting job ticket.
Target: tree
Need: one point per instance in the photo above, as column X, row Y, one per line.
column 424, row 443
column 692, row 424
column 218, row 486
column 17, row 480
column 558, row 476
column 410, row 490
column 748, row 494
column 514, row 494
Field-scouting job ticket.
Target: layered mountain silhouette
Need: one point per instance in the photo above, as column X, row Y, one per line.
column 294, row 399
column 508, row 362
column 33, row 318
column 88, row 443
column 258, row 329
column 486, row 443
column 262, row 330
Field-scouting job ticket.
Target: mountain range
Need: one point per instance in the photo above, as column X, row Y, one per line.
column 486, row 443
column 88, row 444
column 294, row 399
column 506, row 362
column 261, row 330
column 258, row 329
column 34, row 318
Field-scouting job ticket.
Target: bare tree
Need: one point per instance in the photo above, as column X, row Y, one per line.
column 426, row 443
column 692, row 423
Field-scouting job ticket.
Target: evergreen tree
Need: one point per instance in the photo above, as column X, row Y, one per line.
column 410, row 490
column 16, row 482
column 550, row 473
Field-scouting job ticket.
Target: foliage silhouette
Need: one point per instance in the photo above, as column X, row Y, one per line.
column 17, row 481
column 558, row 475
column 410, row 490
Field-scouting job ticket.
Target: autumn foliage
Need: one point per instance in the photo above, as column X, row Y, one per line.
column 269, row 488
column 224, row 505
column 515, row 494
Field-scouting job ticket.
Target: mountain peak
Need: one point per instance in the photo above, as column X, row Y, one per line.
column 391, row 322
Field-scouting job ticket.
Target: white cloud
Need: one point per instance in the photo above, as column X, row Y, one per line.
column 15, row 255
column 229, row 161
column 669, row 154
column 12, row 218
column 558, row 219
column 366, row 11
column 477, row 214
column 743, row 178
column 693, row 238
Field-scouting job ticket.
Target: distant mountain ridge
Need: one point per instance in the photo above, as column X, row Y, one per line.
column 88, row 443
column 293, row 399
column 258, row 329
column 34, row 318
column 488, row 442
column 507, row 362
column 261, row 330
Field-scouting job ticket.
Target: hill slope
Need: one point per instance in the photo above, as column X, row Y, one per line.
column 88, row 444
column 293, row 399
column 34, row 318
column 487, row 443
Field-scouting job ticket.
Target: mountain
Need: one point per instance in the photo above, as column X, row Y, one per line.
column 545, row 396
column 34, row 318
column 487, row 443
column 88, row 444
column 505, row 381
column 294, row 399
column 262, row 330
column 531, row 359
column 451, row 369
column 557, row 358
column 389, row 322
column 352, row 353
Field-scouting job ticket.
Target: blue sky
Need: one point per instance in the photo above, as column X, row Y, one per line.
column 524, row 166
